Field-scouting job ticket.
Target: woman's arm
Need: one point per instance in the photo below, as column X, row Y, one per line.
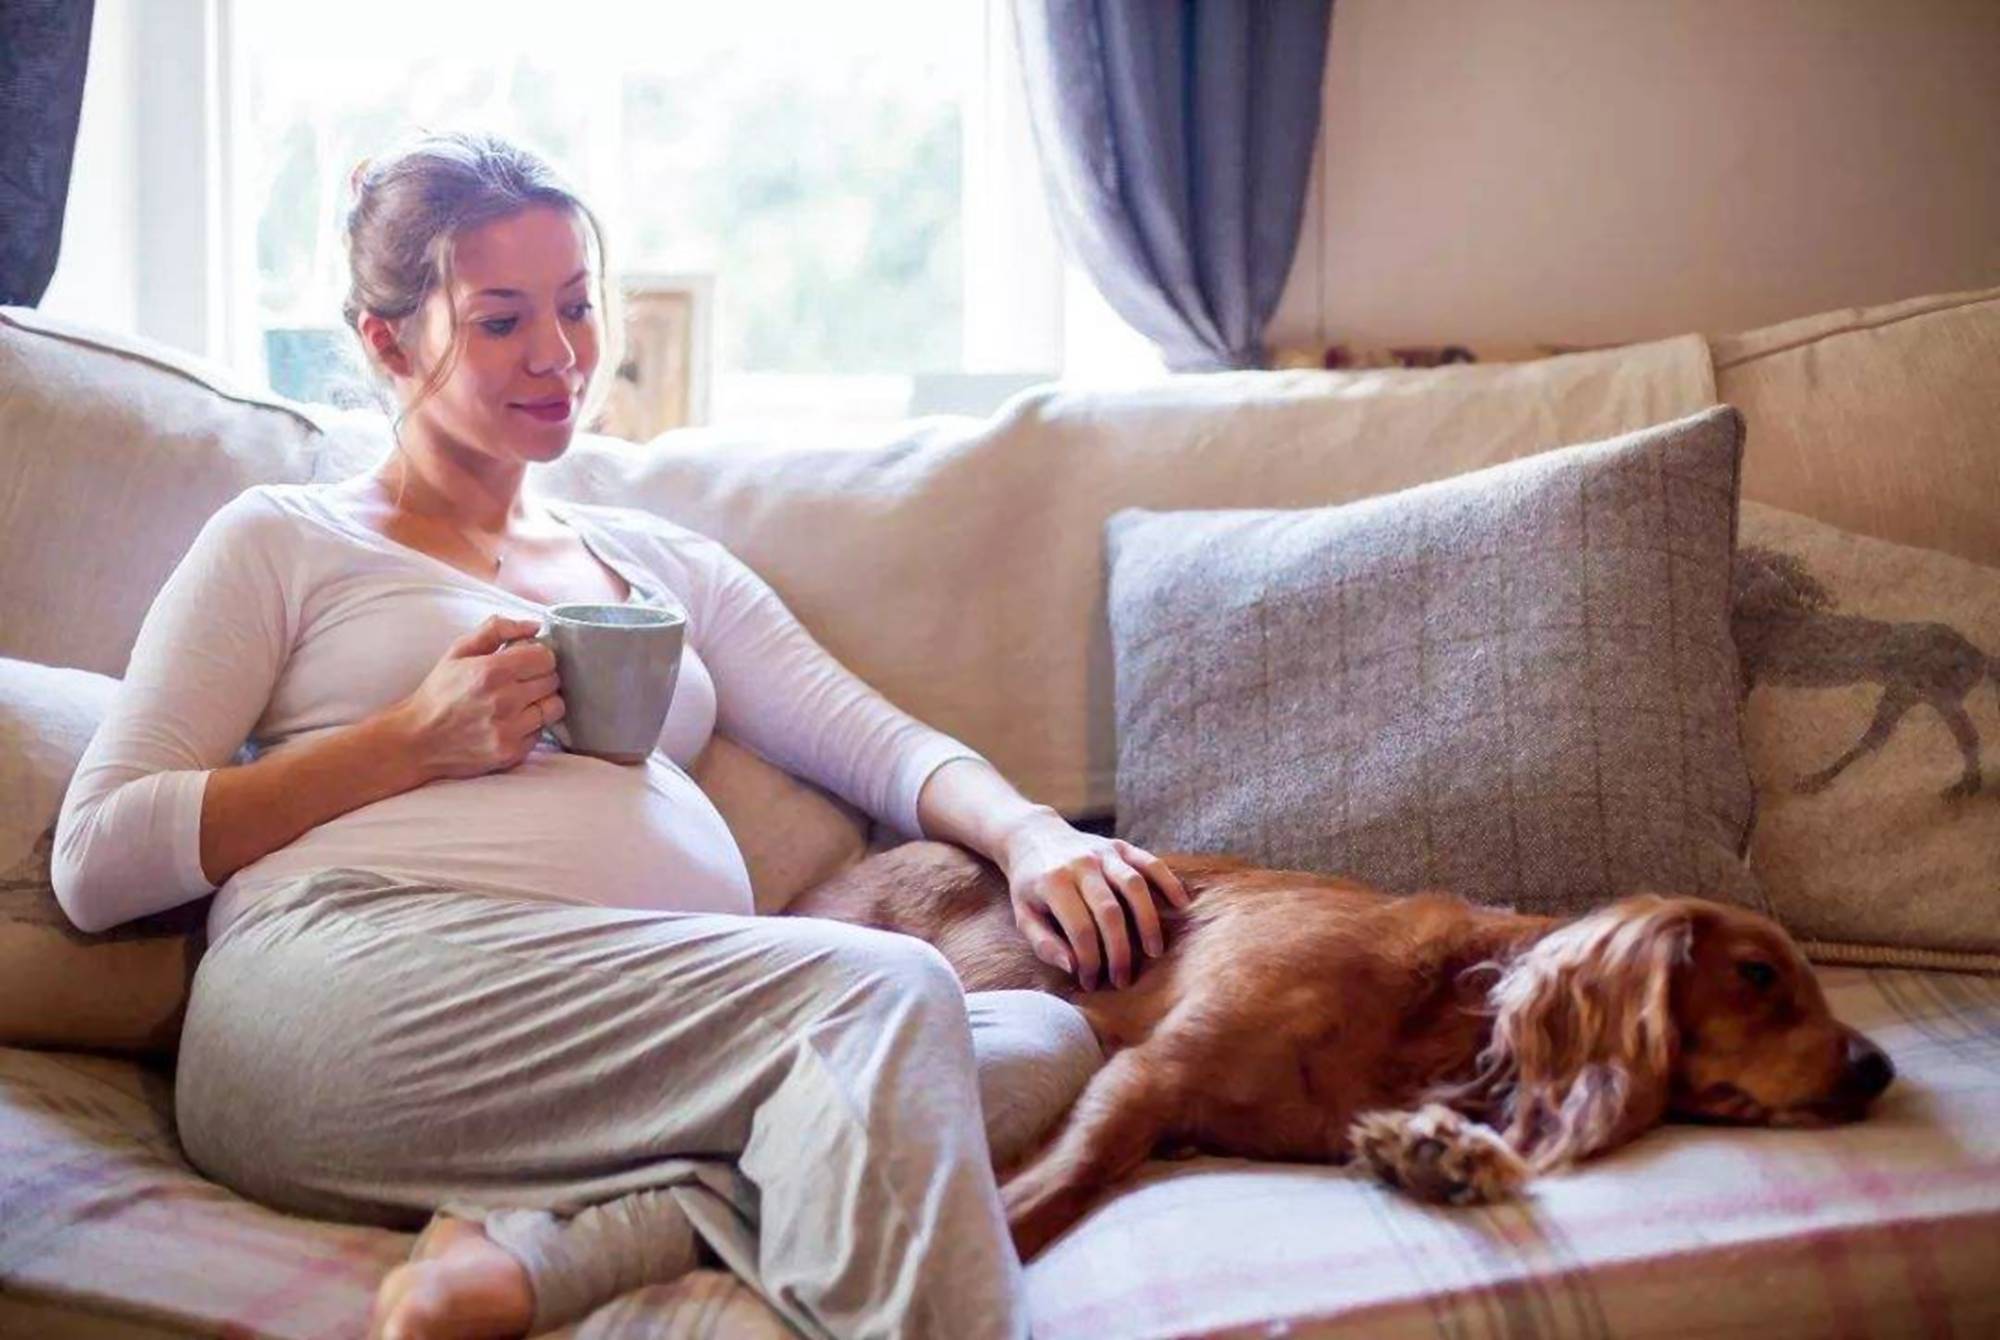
column 779, row 692
column 128, row 837
column 968, row 802
column 252, row 809
column 157, row 813
column 464, row 719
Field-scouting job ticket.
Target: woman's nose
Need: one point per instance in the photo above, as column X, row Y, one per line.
column 1868, row 1068
column 550, row 350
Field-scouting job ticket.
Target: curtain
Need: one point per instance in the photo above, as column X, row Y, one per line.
column 1175, row 138
column 44, row 45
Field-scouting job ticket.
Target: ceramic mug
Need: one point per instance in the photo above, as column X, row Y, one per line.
column 617, row 666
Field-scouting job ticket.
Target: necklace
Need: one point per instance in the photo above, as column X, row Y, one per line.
column 496, row 559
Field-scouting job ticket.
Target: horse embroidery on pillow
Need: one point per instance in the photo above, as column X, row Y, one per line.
column 1787, row 633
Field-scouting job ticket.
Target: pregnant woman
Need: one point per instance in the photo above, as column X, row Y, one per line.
column 457, row 975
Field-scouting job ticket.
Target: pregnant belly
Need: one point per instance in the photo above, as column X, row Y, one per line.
column 558, row 826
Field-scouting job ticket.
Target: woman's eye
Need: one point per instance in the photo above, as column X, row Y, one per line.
column 1758, row 973
column 499, row 325
column 579, row 310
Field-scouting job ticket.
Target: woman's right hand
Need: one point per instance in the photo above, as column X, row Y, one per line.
column 482, row 707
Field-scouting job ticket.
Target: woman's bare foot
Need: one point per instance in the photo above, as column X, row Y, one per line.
column 461, row 1286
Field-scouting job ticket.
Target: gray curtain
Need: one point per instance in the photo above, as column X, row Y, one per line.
column 44, row 45
column 1175, row 138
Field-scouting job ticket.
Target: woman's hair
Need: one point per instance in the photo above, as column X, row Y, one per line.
column 411, row 204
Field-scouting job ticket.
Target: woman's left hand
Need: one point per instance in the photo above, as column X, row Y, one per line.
column 1071, row 890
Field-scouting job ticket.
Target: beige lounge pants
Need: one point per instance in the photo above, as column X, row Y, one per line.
column 599, row 1087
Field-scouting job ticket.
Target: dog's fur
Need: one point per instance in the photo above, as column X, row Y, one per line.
column 1455, row 1049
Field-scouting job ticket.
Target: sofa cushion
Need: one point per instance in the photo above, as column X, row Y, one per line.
column 113, row 452
column 957, row 565
column 792, row 833
column 124, row 989
column 1873, row 731
column 1517, row 685
column 1879, row 420
column 1889, row 1227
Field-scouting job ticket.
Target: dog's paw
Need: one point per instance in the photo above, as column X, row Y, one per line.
column 1437, row 1155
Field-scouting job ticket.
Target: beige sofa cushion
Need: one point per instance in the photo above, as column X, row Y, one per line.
column 124, row 989
column 113, row 451
column 1880, row 420
column 1872, row 727
column 958, row 565
column 793, row 834
column 116, row 450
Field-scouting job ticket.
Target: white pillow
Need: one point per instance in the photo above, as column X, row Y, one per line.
column 47, row 716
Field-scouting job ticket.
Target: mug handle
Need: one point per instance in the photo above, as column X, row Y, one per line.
column 547, row 637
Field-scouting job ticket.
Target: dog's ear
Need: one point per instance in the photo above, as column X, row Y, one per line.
column 1584, row 1042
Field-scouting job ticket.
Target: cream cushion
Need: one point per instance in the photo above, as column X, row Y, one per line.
column 1872, row 727
column 122, row 990
column 113, row 451
column 958, row 564
column 1883, row 420
column 941, row 563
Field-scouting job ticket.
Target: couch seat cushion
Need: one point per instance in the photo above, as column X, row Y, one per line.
column 1889, row 1227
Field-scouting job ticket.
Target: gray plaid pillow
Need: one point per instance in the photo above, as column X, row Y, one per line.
column 1516, row 684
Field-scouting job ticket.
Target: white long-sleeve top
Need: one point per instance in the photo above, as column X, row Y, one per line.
column 288, row 617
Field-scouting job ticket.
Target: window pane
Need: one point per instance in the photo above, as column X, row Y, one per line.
column 808, row 156
column 817, row 175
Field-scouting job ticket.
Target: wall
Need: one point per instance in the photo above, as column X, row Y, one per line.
column 1517, row 171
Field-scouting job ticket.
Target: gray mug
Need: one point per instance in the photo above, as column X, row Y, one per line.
column 618, row 665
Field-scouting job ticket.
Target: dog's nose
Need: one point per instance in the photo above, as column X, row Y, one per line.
column 1868, row 1068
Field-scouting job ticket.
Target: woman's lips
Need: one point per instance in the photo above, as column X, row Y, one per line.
column 553, row 412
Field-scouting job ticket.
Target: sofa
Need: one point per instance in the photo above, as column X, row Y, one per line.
column 958, row 564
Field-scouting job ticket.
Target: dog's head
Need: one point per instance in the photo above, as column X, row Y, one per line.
column 1756, row 1042
column 1656, row 1007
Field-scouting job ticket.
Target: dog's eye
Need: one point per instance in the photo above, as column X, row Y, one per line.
column 1758, row 973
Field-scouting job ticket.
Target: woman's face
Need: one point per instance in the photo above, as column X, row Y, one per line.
column 529, row 327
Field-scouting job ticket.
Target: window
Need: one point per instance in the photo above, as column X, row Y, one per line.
column 856, row 178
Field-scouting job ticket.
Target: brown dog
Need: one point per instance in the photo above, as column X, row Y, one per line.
column 1455, row 1049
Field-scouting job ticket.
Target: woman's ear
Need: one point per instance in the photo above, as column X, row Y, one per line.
column 1584, row 1030
column 385, row 343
